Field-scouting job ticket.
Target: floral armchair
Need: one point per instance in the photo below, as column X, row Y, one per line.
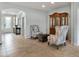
column 35, row 30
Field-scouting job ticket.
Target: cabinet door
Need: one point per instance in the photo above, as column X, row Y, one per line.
column 62, row 21
column 66, row 20
column 57, row 21
column 51, row 22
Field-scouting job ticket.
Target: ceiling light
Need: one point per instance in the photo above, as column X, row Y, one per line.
column 43, row 6
column 52, row 2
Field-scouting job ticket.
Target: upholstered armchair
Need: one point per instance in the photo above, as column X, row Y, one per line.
column 35, row 30
column 60, row 36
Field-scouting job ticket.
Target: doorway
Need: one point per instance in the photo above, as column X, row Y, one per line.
column 7, row 25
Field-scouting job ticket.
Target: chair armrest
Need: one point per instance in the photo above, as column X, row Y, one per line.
column 51, row 37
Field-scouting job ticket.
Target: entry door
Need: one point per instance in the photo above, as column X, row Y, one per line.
column 8, row 24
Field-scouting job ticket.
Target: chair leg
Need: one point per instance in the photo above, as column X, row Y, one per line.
column 64, row 44
column 57, row 47
column 48, row 43
column 0, row 43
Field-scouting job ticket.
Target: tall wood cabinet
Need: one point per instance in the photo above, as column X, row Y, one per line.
column 58, row 19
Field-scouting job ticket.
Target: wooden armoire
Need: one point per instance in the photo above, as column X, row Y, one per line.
column 58, row 19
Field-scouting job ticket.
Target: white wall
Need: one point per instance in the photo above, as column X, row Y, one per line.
column 76, row 24
column 36, row 17
column 32, row 17
column 0, row 20
column 78, row 27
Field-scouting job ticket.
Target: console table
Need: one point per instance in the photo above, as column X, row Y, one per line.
column 17, row 30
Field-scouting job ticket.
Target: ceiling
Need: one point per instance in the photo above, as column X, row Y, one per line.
column 38, row 5
column 11, row 11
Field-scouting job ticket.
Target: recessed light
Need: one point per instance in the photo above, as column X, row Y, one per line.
column 43, row 6
column 52, row 2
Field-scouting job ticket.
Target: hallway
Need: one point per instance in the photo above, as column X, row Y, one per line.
column 17, row 46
